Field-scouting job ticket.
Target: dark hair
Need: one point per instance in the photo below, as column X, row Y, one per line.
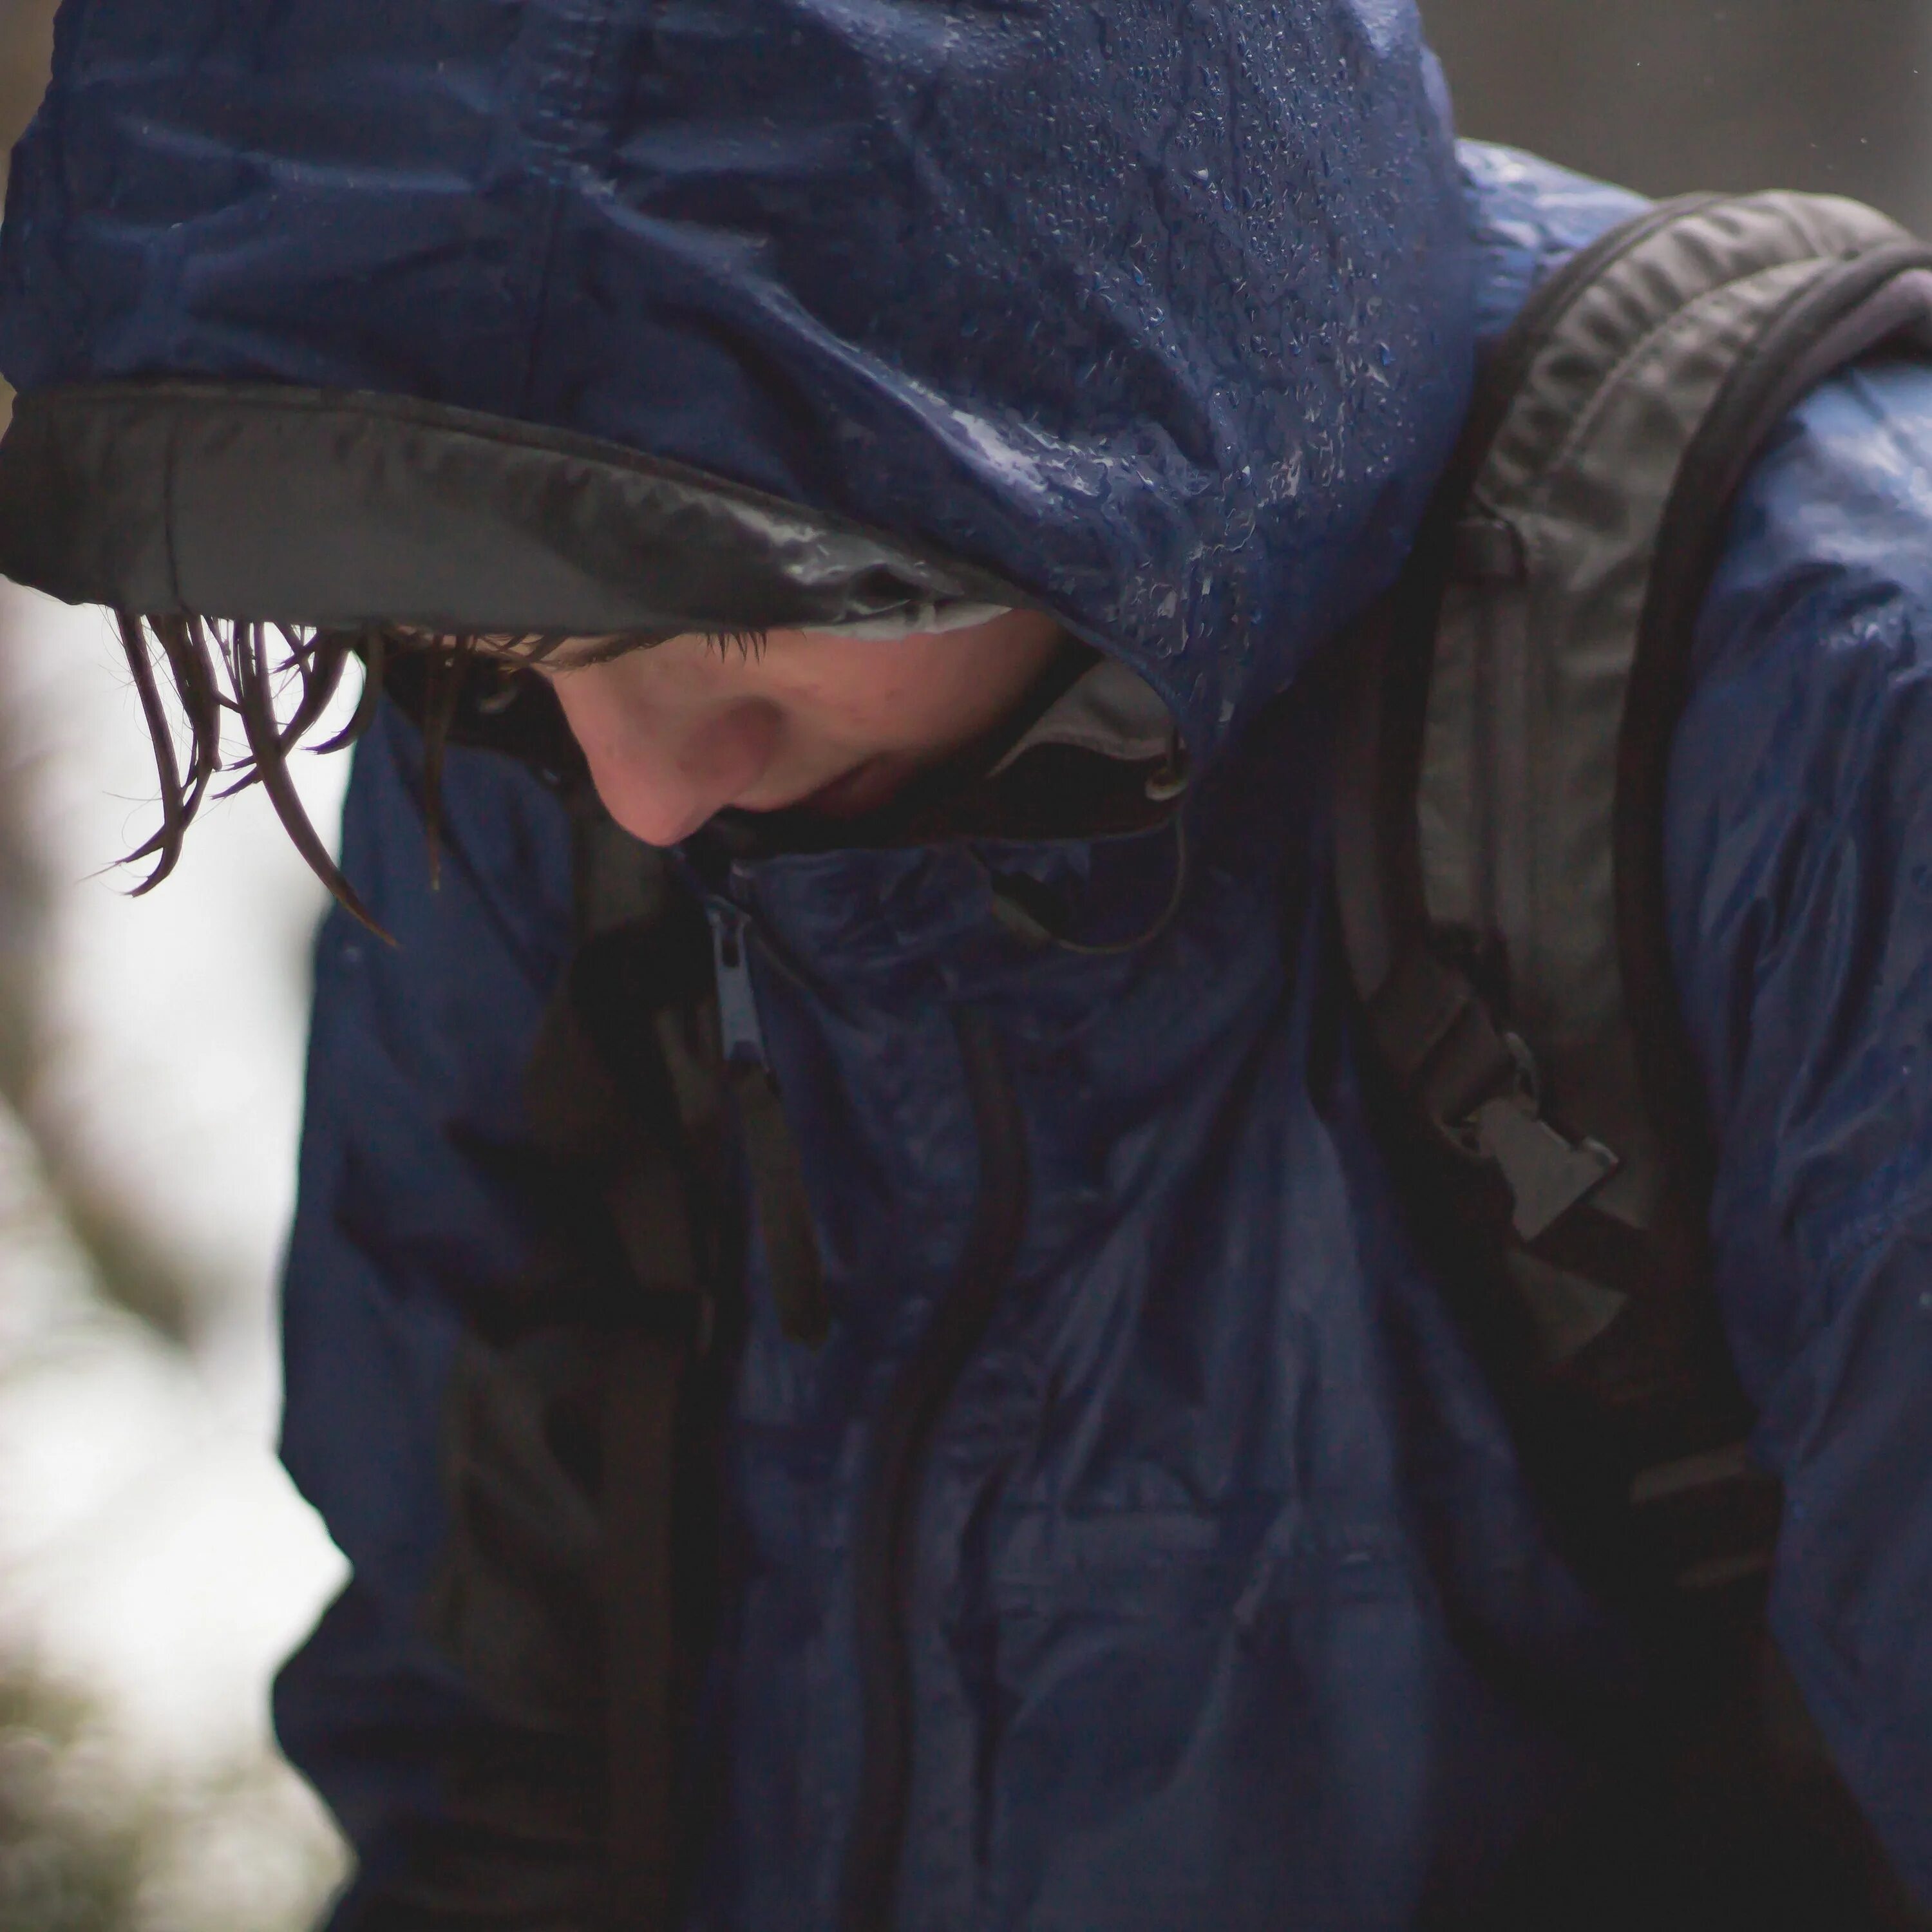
column 215, row 669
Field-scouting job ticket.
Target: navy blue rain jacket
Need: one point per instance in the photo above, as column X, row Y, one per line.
column 1167, row 318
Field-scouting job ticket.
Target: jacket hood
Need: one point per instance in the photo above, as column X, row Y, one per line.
column 1163, row 321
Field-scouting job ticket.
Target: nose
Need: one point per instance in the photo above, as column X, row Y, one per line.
column 662, row 762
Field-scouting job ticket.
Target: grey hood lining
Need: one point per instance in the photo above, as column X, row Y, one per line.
column 343, row 510
column 1111, row 711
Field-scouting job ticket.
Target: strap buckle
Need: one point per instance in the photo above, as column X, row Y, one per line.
column 1548, row 1175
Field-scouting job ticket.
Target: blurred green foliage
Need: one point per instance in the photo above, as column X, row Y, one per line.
column 70, row 1840
column 90, row 1842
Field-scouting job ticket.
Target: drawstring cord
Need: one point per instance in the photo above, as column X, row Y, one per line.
column 1010, row 908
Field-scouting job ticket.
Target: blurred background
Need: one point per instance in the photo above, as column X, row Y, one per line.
column 153, row 1563
column 1833, row 96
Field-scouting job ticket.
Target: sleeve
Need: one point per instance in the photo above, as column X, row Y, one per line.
column 1798, row 855
column 416, row 1053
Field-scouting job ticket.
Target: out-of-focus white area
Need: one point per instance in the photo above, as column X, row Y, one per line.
column 152, row 1555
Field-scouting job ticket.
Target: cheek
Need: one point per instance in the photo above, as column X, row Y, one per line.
column 904, row 695
column 891, row 704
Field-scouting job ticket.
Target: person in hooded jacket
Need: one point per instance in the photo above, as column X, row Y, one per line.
column 1018, row 403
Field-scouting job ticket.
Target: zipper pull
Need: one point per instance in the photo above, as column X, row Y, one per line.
column 783, row 1207
column 743, row 1039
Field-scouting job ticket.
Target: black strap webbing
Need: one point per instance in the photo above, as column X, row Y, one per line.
column 640, row 1034
column 641, row 1417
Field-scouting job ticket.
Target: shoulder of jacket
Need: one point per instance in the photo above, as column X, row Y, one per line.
column 1837, row 507
column 1527, row 216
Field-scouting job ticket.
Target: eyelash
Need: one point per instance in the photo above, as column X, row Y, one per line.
column 749, row 644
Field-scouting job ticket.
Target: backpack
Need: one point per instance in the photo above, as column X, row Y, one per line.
column 1498, row 860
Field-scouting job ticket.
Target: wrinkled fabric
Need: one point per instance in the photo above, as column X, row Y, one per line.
column 1209, row 1502
column 1162, row 318
column 1800, row 875
column 1225, row 1587
column 1221, row 1538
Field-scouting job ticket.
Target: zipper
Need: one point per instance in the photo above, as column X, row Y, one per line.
column 887, row 1549
column 793, row 1264
column 740, row 1035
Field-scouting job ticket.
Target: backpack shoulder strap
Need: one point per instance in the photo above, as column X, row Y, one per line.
column 1499, row 860
column 1499, row 836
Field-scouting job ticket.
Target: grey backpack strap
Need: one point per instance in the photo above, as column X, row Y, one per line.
column 1499, row 848
column 1500, row 833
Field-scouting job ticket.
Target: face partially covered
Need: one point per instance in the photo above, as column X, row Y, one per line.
column 832, row 724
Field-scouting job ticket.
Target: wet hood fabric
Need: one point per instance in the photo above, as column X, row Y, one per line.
column 1163, row 318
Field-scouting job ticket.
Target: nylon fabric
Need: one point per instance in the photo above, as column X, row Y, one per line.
column 300, row 507
column 1226, row 1602
column 1163, row 319
column 1799, row 852
column 1228, row 1605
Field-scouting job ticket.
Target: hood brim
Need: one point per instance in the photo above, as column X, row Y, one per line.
column 270, row 503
